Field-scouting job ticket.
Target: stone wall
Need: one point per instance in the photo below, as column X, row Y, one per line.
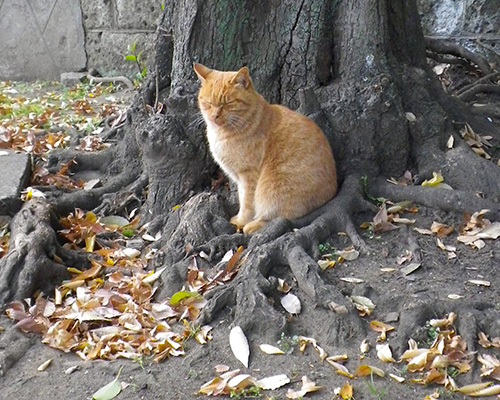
column 111, row 25
column 40, row 39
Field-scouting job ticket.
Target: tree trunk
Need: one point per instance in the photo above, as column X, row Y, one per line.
column 358, row 68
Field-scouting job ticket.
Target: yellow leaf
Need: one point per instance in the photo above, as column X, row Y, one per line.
column 346, row 391
column 437, row 178
column 475, row 387
column 268, row 349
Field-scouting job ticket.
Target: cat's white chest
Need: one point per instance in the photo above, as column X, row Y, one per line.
column 221, row 150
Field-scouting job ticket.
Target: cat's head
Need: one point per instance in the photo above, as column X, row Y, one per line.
column 225, row 97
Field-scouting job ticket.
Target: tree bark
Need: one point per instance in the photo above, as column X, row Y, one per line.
column 357, row 68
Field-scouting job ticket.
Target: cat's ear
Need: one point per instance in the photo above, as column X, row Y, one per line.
column 242, row 78
column 201, row 71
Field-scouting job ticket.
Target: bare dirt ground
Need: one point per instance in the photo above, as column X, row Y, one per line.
column 444, row 283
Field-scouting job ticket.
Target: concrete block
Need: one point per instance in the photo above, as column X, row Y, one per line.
column 72, row 78
column 16, row 170
column 98, row 14
column 106, row 51
column 138, row 15
column 40, row 39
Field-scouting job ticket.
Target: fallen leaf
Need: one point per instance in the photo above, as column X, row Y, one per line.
column 352, row 280
column 364, row 346
column 273, row 382
column 474, row 387
column 109, row 391
column 220, row 368
column 339, row 368
column 441, row 229
column 399, row 379
column 268, row 349
column 308, row 386
column 384, row 353
column 449, row 142
column 410, row 268
column 479, row 282
column 291, row 303
column 365, row 370
column 345, row 391
column 363, row 304
column 45, row 365
column 239, row 345
column 437, row 178
column 349, row 254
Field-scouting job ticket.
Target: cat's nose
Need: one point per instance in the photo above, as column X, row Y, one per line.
column 216, row 114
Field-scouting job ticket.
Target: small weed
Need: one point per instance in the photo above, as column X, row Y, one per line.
column 325, row 248
column 192, row 374
column 377, row 200
column 378, row 393
column 250, row 393
column 288, row 344
column 136, row 57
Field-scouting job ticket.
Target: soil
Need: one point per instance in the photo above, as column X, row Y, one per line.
column 180, row 378
column 393, row 293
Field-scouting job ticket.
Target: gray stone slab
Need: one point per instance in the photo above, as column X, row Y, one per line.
column 14, row 174
column 138, row 15
column 40, row 39
column 98, row 14
column 107, row 50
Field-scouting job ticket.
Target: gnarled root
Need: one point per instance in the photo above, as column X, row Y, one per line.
column 35, row 259
column 252, row 293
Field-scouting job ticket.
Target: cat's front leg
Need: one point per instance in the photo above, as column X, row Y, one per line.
column 246, row 196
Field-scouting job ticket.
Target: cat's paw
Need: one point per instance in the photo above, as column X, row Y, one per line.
column 237, row 222
column 253, row 226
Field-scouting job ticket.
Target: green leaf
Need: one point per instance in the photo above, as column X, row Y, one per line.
column 144, row 72
column 130, row 57
column 109, row 391
column 183, row 294
column 131, row 47
column 113, row 221
column 128, row 232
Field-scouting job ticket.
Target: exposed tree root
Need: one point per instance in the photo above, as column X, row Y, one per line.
column 273, row 246
column 442, row 47
column 35, row 259
column 13, row 345
column 469, row 94
column 444, row 199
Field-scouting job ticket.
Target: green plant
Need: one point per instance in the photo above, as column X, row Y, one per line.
column 378, row 393
column 252, row 392
column 287, row 343
column 136, row 57
column 378, row 200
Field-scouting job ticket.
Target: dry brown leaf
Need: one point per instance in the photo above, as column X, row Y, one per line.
column 365, row 370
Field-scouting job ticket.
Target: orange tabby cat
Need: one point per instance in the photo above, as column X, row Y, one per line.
column 280, row 160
